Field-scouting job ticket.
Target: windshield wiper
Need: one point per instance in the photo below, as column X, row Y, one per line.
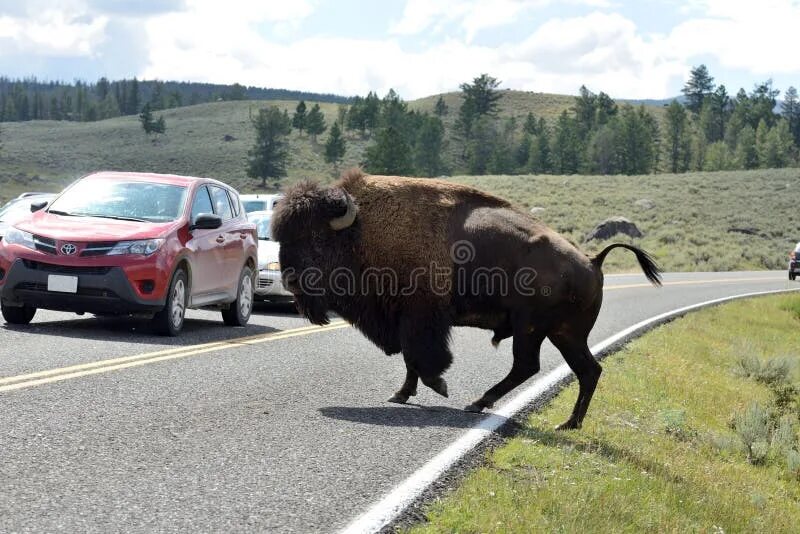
column 116, row 217
column 65, row 213
column 264, row 239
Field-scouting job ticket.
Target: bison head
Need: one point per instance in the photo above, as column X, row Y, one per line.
column 315, row 228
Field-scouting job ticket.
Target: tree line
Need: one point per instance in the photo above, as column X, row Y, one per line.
column 32, row 99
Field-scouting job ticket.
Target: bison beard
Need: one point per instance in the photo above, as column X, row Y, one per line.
column 401, row 225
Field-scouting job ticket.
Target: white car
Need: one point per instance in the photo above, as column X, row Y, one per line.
column 20, row 207
column 270, row 286
column 254, row 203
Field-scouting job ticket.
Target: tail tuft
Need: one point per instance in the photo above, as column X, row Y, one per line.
column 646, row 261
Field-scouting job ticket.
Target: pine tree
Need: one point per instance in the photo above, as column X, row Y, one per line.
column 718, row 157
column 390, row 154
column 790, row 109
column 746, row 153
column 697, row 88
column 133, row 97
column 269, row 156
column 602, row 151
column 531, row 125
column 566, row 146
column 428, row 147
column 479, row 98
column 539, row 160
column 335, row 146
column 315, row 122
column 146, row 118
column 300, row 116
column 440, row 109
column 763, row 147
column 677, row 138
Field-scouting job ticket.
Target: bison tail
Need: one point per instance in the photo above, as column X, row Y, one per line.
column 646, row 261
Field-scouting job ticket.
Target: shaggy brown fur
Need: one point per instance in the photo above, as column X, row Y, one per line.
column 407, row 225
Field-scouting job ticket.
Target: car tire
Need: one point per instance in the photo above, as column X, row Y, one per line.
column 169, row 321
column 18, row 315
column 792, row 276
column 240, row 309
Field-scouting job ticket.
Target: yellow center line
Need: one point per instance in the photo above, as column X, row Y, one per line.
column 103, row 366
column 696, row 282
column 13, row 383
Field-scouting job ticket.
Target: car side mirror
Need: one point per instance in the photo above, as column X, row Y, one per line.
column 36, row 206
column 206, row 221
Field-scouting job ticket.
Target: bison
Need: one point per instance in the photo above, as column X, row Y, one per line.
column 404, row 260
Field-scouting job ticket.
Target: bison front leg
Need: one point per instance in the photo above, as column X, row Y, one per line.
column 425, row 342
column 409, row 387
column 526, row 348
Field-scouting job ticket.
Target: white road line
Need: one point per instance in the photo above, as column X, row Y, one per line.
column 390, row 506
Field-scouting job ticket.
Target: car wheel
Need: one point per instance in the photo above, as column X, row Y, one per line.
column 169, row 321
column 18, row 315
column 239, row 311
column 792, row 276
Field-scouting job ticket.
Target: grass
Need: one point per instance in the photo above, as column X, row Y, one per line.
column 687, row 230
column 690, row 226
column 660, row 450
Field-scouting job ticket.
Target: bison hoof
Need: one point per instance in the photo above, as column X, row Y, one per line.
column 569, row 424
column 399, row 398
column 474, row 408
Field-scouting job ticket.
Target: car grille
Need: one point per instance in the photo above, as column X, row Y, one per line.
column 98, row 249
column 65, row 269
column 44, row 244
column 82, row 291
column 264, row 283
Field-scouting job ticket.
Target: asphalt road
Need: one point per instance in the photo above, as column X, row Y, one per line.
column 282, row 431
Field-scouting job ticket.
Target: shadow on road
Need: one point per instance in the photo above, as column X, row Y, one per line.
column 135, row 330
column 409, row 415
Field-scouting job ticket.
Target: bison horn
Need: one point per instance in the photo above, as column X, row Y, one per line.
column 340, row 223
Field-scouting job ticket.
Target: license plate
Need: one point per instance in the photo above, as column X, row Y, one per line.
column 62, row 284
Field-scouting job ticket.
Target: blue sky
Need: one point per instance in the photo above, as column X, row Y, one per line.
column 419, row 47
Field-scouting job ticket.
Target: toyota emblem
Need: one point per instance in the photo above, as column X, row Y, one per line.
column 68, row 249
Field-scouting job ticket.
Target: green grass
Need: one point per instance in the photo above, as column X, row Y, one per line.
column 657, row 452
column 689, row 227
column 687, row 230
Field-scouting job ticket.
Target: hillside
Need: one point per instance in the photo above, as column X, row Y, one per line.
column 48, row 154
column 688, row 229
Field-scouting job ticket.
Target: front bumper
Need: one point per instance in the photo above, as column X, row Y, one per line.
column 270, row 287
column 100, row 290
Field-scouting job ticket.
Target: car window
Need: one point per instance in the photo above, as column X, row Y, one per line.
column 254, row 205
column 234, row 203
column 222, row 205
column 202, row 203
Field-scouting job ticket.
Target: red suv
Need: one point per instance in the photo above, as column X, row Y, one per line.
column 124, row 243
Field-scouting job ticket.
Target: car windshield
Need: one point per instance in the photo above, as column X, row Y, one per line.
column 134, row 201
column 262, row 226
column 16, row 209
column 254, row 205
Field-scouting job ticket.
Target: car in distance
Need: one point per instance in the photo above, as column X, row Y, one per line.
column 259, row 202
column 269, row 286
column 20, row 207
column 794, row 262
column 129, row 243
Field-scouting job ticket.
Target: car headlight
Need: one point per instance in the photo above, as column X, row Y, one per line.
column 15, row 236
column 144, row 247
column 273, row 266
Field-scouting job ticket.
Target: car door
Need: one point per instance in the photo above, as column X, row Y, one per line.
column 208, row 259
column 227, row 241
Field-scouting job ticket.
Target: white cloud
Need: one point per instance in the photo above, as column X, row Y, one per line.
column 759, row 37
column 472, row 15
column 53, row 32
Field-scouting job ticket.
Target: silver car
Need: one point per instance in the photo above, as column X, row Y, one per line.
column 270, row 286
